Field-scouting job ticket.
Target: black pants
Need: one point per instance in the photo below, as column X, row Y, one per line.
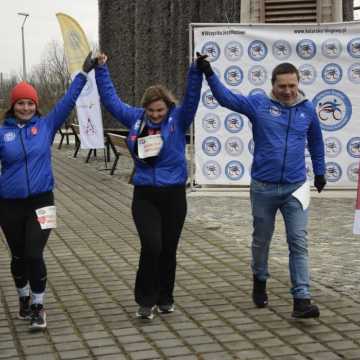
column 26, row 239
column 159, row 215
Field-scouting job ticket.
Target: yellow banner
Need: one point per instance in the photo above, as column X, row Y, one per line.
column 76, row 44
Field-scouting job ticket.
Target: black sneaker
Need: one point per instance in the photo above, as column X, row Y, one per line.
column 303, row 309
column 38, row 317
column 166, row 309
column 259, row 294
column 145, row 312
column 24, row 308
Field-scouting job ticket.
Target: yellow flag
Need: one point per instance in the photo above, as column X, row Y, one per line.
column 76, row 44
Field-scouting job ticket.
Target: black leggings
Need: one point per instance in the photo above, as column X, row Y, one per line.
column 159, row 215
column 26, row 239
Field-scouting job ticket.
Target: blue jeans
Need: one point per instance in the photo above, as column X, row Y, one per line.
column 266, row 199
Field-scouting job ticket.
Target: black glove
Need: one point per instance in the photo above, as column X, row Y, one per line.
column 89, row 63
column 203, row 65
column 319, row 182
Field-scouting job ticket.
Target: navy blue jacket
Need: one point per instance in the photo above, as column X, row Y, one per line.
column 169, row 168
column 25, row 153
column 279, row 133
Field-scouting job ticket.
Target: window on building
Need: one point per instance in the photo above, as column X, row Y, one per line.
column 293, row 11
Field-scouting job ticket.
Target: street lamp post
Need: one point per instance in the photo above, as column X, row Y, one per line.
column 23, row 42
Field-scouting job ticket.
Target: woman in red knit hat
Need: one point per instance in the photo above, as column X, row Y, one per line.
column 27, row 211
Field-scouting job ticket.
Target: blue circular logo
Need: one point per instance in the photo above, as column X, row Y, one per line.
column 257, row 75
column 306, row 49
column 354, row 73
column 353, row 47
column 281, row 49
column 333, row 108
column 211, row 146
column 333, row 171
column 233, row 51
column 211, row 170
column 234, row 122
column 209, row 100
column 234, row 170
column 234, row 146
column 353, row 147
column 211, row 123
column 257, row 91
column 307, row 74
column 353, row 172
column 233, row 75
column 257, row 50
column 251, row 146
column 331, row 48
column 212, row 50
column 331, row 73
column 332, row 147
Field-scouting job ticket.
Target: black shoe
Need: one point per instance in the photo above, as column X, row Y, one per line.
column 259, row 294
column 24, row 308
column 303, row 309
column 38, row 317
column 166, row 309
column 145, row 312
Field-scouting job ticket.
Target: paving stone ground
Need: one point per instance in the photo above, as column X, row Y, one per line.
column 92, row 258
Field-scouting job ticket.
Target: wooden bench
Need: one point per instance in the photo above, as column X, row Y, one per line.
column 76, row 130
column 65, row 132
column 118, row 146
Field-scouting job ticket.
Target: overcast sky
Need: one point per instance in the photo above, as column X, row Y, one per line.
column 40, row 28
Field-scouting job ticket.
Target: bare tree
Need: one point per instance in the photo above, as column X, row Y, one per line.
column 51, row 77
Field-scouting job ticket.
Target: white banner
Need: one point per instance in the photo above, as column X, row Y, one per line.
column 89, row 115
column 243, row 56
column 88, row 109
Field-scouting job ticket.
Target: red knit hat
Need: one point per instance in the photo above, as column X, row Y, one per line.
column 23, row 90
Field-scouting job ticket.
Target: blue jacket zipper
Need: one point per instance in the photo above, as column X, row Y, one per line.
column 26, row 161
column 285, row 152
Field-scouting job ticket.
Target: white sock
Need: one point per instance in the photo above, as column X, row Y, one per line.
column 37, row 298
column 25, row 291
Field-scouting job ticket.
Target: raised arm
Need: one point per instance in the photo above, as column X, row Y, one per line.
column 189, row 105
column 121, row 111
column 222, row 94
column 62, row 109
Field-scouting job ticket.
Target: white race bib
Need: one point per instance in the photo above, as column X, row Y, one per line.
column 149, row 146
column 46, row 216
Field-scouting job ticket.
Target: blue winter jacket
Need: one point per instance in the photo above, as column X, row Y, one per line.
column 25, row 153
column 170, row 167
column 279, row 133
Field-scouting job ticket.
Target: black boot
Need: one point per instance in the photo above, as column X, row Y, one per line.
column 259, row 294
column 303, row 309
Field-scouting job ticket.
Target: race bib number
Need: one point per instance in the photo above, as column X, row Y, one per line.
column 149, row 146
column 46, row 216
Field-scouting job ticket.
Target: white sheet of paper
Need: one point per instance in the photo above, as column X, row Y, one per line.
column 46, row 216
column 149, row 146
column 303, row 194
